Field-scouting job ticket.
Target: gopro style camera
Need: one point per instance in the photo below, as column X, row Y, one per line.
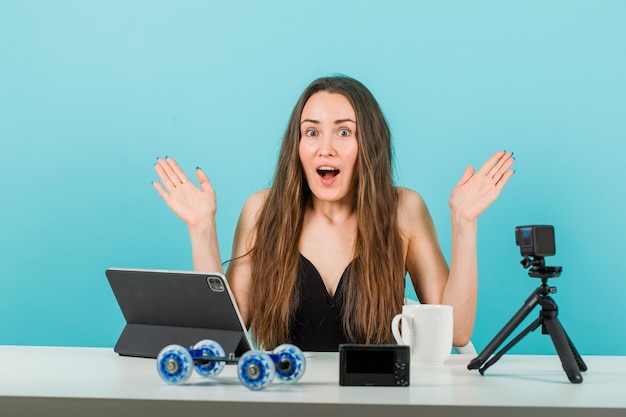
column 374, row 365
column 535, row 240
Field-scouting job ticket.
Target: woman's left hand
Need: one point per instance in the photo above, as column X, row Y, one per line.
column 475, row 192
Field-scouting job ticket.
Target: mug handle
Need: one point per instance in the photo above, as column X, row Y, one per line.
column 395, row 329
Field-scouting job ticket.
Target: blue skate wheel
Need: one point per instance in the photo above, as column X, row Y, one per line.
column 256, row 370
column 290, row 363
column 174, row 364
column 212, row 349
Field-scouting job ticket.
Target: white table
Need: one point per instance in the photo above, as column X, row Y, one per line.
column 36, row 381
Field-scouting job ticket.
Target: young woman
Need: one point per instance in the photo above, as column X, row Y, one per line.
column 320, row 258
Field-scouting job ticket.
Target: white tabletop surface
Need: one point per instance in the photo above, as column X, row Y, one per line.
column 74, row 381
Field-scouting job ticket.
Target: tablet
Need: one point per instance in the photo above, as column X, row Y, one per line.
column 175, row 307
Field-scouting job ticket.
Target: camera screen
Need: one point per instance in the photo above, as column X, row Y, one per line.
column 370, row 361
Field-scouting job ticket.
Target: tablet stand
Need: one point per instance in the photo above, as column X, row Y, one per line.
column 147, row 340
column 571, row 360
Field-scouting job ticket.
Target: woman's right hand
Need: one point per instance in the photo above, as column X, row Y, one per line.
column 193, row 205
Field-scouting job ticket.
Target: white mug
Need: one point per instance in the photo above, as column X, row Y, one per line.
column 427, row 329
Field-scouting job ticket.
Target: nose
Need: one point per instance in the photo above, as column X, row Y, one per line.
column 327, row 146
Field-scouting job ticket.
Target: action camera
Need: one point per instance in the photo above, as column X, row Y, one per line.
column 536, row 241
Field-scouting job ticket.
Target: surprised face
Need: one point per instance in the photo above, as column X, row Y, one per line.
column 328, row 147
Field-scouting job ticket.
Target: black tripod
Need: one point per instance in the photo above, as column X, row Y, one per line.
column 571, row 360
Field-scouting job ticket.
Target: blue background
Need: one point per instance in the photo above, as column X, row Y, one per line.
column 92, row 92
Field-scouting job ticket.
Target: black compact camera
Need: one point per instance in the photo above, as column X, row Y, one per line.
column 536, row 241
column 374, row 365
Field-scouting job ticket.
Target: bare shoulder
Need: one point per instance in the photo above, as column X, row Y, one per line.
column 252, row 210
column 414, row 220
column 257, row 200
column 239, row 269
column 423, row 257
column 410, row 204
column 244, row 234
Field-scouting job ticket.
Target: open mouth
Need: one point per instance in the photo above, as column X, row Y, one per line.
column 327, row 172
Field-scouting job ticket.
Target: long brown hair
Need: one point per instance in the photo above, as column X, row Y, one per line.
column 374, row 289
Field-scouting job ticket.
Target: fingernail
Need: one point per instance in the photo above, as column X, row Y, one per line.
column 197, row 168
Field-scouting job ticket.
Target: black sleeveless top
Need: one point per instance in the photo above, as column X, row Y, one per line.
column 317, row 325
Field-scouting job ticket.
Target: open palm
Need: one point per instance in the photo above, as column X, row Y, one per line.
column 476, row 191
column 191, row 204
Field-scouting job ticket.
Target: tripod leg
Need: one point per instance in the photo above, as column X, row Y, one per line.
column 506, row 331
column 532, row 327
column 563, row 346
column 579, row 360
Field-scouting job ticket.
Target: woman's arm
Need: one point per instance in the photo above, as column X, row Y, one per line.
column 194, row 206
column 458, row 285
column 472, row 195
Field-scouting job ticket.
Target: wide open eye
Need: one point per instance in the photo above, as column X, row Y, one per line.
column 344, row 132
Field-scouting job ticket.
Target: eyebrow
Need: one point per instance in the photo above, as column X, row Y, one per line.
column 337, row 122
